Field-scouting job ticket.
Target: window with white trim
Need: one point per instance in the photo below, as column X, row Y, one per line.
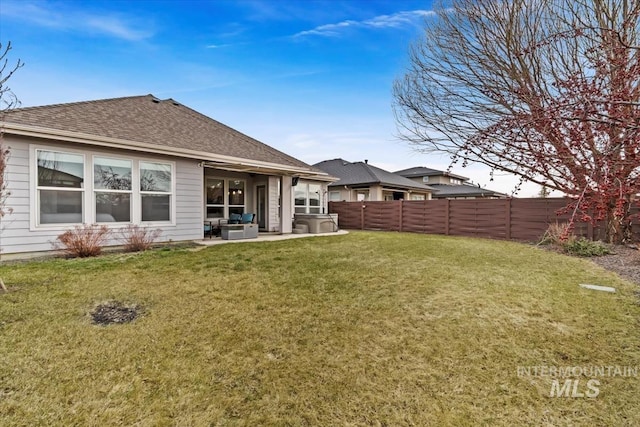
column 334, row 196
column 78, row 187
column 224, row 197
column 307, row 198
column 156, row 184
column 112, row 187
column 60, row 187
column 215, row 198
column 236, row 195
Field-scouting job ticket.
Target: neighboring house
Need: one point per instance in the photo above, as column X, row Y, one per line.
column 361, row 181
column 448, row 185
column 141, row 160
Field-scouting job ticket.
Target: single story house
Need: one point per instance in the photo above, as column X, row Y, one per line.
column 360, row 181
column 146, row 161
column 447, row 185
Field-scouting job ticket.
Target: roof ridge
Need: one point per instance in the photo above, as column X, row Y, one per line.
column 371, row 173
column 91, row 101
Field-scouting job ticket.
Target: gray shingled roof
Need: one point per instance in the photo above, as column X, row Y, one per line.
column 362, row 174
column 419, row 171
column 149, row 120
column 464, row 190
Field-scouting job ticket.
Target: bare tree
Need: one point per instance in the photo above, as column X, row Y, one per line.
column 545, row 89
column 8, row 100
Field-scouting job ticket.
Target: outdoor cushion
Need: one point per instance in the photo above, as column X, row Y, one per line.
column 247, row 218
column 235, row 218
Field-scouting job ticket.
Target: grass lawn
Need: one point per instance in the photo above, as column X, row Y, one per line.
column 362, row 329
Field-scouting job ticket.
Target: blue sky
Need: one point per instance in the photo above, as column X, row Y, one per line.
column 311, row 78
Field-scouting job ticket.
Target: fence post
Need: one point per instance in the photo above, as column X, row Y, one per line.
column 508, row 219
column 446, row 217
column 362, row 216
column 401, row 207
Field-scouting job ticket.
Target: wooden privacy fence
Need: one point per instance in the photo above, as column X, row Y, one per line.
column 510, row 219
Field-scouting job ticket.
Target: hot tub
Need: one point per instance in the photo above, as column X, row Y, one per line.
column 317, row 223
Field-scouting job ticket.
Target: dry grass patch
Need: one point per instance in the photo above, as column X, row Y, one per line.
column 362, row 329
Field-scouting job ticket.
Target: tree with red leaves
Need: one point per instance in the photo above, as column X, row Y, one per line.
column 548, row 90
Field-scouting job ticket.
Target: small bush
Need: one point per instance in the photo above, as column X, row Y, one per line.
column 585, row 248
column 83, row 240
column 136, row 238
column 560, row 235
column 556, row 234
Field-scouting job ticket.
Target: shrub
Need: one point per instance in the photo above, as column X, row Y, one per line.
column 136, row 238
column 556, row 234
column 585, row 248
column 560, row 235
column 83, row 240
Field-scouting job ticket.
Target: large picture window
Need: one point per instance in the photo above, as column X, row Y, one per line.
column 112, row 188
column 60, row 187
column 155, row 191
column 76, row 188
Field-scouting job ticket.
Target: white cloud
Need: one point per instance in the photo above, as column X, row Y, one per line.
column 111, row 25
column 396, row 20
column 116, row 27
column 217, row 46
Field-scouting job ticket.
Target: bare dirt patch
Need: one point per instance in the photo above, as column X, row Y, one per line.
column 115, row 312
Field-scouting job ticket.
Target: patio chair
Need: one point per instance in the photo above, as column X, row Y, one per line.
column 208, row 229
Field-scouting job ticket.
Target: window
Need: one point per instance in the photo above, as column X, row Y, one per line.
column 425, row 179
column 417, row 196
column 60, row 187
column 455, row 181
column 224, row 194
column 236, row 197
column 75, row 188
column 155, row 191
column 307, row 198
column 215, row 198
column 361, row 196
column 334, row 196
column 112, row 188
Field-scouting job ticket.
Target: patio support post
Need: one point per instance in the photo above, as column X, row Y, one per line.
column 286, row 205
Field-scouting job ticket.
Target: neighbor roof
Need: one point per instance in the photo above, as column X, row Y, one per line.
column 362, row 173
column 419, row 171
column 147, row 120
column 463, row 190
